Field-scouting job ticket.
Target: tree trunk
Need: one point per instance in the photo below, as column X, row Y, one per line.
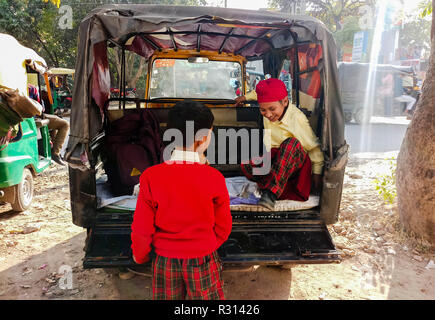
column 415, row 177
column 133, row 80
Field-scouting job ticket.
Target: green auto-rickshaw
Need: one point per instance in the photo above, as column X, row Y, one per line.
column 61, row 82
column 27, row 151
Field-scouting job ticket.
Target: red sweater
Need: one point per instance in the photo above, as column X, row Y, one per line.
column 183, row 210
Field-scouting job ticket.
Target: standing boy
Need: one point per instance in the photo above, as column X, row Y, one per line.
column 183, row 212
column 294, row 148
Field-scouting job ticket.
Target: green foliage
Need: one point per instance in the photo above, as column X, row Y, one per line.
column 386, row 184
column 35, row 24
column 425, row 8
column 413, row 27
column 331, row 12
column 346, row 34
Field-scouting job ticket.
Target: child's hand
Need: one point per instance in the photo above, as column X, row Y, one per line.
column 146, row 260
column 240, row 100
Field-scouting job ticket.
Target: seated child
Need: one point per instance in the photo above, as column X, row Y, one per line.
column 183, row 212
column 294, row 148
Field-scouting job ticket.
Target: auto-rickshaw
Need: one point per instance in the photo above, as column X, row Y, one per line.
column 28, row 152
column 184, row 45
column 61, row 82
column 361, row 89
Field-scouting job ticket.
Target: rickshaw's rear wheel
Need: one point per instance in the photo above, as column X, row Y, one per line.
column 24, row 192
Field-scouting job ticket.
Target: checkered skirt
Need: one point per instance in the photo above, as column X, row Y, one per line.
column 191, row 279
column 287, row 160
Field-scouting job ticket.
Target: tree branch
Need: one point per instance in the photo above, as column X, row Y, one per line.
column 133, row 81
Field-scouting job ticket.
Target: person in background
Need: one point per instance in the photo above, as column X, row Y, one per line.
column 59, row 127
column 386, row 93
column 401, row 95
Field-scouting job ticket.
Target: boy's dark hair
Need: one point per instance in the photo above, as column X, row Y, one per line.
column 187, row 110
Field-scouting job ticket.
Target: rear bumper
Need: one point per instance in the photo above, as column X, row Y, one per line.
column 301, row 240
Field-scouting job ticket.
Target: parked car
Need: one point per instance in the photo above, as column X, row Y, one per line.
column 193, row 42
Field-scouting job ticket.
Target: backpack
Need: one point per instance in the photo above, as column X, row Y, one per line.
column 133, row 144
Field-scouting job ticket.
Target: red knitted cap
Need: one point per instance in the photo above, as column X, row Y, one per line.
column 270, row 90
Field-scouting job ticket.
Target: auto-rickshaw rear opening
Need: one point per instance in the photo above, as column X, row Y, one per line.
column 202, row 54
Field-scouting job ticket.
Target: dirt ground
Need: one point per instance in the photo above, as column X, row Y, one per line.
column 380, row 260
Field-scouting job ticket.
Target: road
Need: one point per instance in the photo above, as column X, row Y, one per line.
column 382, row 134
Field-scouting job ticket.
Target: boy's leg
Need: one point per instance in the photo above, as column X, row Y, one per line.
column 203, row 278
column 168, row 283
column 288, row 160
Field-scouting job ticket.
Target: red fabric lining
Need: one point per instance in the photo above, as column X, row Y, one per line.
column 309, row 57
column 100, row 75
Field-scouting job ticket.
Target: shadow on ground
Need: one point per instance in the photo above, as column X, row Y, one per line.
column 40, row 277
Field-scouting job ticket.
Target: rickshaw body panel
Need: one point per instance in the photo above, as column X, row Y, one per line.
column 24, row 153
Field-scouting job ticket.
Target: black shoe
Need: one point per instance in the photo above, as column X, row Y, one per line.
column 56, row 158
column 267, row 199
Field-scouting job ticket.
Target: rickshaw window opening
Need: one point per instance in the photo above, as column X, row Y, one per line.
column 198, row 40
column 215, row 67
column 152, row 43
column 225, row 40
column 174, row 44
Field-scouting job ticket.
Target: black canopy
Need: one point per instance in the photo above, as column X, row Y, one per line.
column 146, row 28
